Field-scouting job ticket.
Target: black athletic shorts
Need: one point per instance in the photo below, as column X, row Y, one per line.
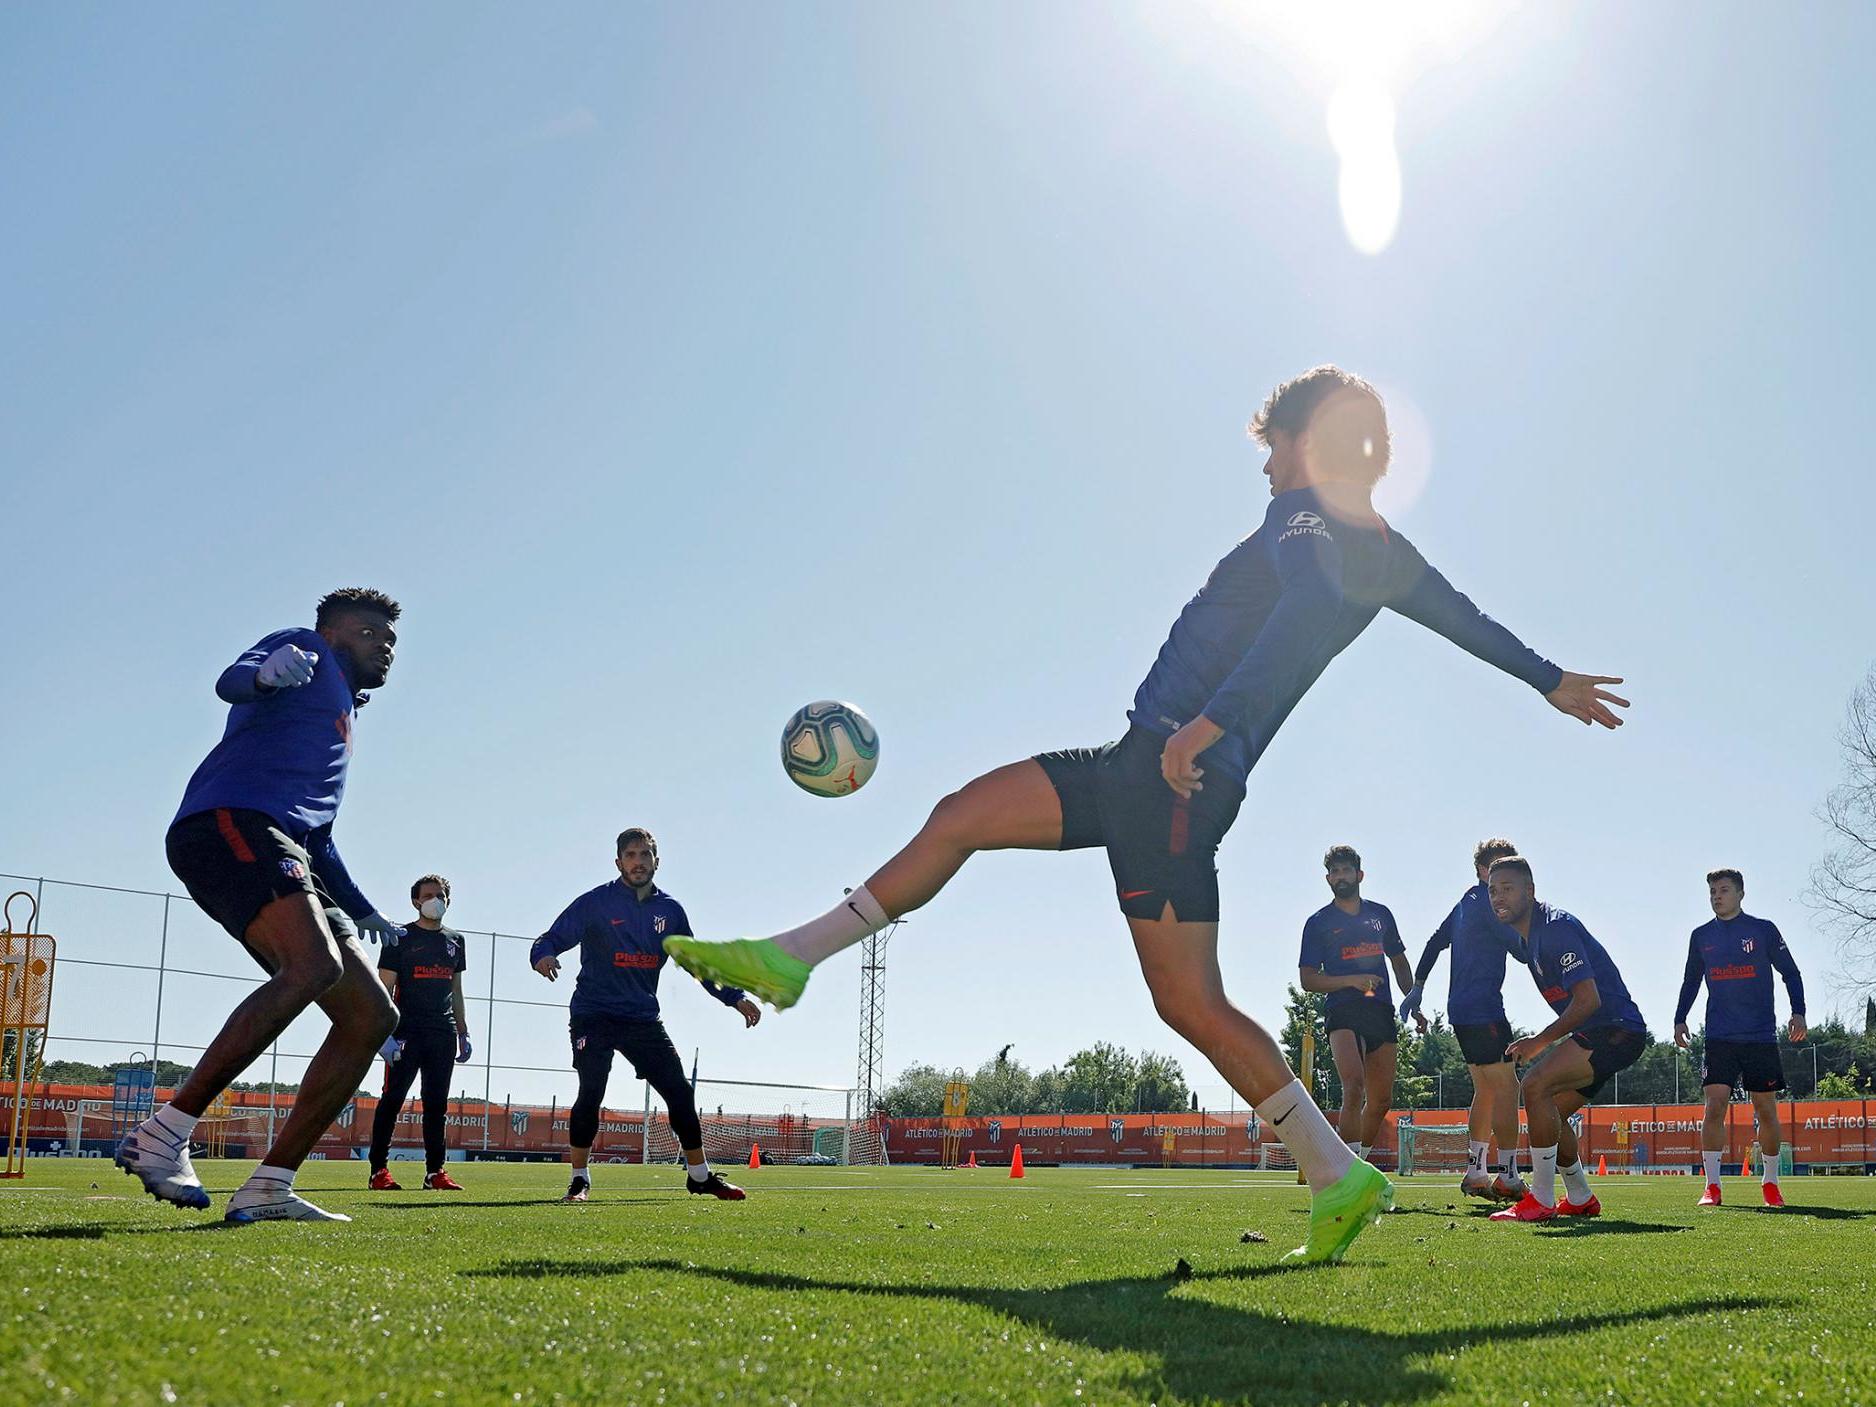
column 1484, row 1044
column 1611, row 1050
column 1371, row 1019
column 236, row 863
column 1753, row 1064
column 645, row 1044
column 1162, row 847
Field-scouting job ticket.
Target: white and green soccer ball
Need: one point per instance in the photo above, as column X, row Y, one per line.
column 829, row 748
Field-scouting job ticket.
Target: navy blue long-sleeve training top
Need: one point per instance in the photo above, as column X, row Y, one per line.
column 284, row 753
column 621, row 943
column 1562, row 955
column 1736, row 957
column 1346, row 945
column 1286, row 601
column 1480, row 941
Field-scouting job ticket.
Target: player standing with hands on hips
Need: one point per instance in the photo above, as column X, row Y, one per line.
column 423, row 973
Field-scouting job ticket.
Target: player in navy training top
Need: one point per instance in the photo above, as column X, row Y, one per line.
column 1736, row 955
column 1476, row 1007
column 1270, row 618
column 1598, row 1033
column 423, row 973
column 620, row 929
column 252, row 842
column 1347, row 945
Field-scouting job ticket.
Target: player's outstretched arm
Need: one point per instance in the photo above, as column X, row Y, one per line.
column 1583, row 697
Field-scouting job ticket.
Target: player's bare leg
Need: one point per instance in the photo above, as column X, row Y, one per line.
column 1495, row 1116
column 1713, row 1140
column 1771, row 1144
column 1378, row 1093
column 1180, row 964
column 362, row 1019
column 1351, row 1070
column 1014, row 807
column 292, row 940
column 1550, row 1097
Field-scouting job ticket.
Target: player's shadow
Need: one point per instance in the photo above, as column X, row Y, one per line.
column 454, row 1202
column 1607, row 1226
column 1821, row 1213
column 1206, row 1351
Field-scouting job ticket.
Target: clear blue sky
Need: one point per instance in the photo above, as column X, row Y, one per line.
column 675, row 368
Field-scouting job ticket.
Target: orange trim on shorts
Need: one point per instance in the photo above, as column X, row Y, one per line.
column 236, row 841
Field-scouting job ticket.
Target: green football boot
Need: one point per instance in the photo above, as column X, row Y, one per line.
column 754, row 964
column 1341, row 1212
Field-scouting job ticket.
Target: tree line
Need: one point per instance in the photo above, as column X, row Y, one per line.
column 1103, row 1079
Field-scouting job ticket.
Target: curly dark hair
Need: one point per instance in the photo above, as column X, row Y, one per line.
column 1496, row 848
column 354, row 598
column 435, row 879
column 1292, row 405
column 1341, row 855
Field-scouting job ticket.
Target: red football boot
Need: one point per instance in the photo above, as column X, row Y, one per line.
column 1773, row 1197
column 1711, row 1197
column 1528, row 1209
column 714, row 1186
column 1593, row 1207
column 382, row 1181
column 441, row 1182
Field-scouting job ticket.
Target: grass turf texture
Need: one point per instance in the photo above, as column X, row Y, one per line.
column 919, row 1287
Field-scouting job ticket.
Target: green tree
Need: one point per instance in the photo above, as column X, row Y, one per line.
column 917, row 1093
column 1161, row 1085
column 1099, row 1080
column 1002, row 1087
column 1303, row 1014
column 1836, row 1086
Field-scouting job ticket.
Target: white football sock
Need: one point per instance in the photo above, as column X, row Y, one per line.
column 1576, row 1183
column 1544, row 1175
column 266, row 1183
column 852, row 919
column 1508, row 1164
column 1768, row 1167
column 174, row 1125
column 1712, row 1162
column 1354, row 1146
column 699, row 1172
column 1293, row 1116
column 1475, row 1155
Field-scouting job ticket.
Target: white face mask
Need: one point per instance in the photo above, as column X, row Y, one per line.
column 433, row 909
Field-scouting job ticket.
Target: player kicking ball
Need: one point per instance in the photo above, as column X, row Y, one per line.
column 252, row 842
column 1735, row 955
column 620, row 929
column 1269, row 619
column 1598, row 1032
column 1475, row 1005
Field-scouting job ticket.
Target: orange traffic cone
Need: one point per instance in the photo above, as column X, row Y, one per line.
column 755, row 1155
column 1602, row 1165
column 972, row 1162
column 1016, row 1162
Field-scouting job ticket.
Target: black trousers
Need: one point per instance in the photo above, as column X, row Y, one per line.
column 429, row 1054
column 654, row 1059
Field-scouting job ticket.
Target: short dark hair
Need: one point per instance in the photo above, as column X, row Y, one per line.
column 1290, row 407
column 1739, row 880
column 1488, row 850
column 1341, row 855
column 435, row 879
column 632, row 833
column 354, row 598
column 1512, row 864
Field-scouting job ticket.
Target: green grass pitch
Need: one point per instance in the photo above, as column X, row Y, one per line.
column 918, row 1287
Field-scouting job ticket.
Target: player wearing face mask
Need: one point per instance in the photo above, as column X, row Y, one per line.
column 423, row 974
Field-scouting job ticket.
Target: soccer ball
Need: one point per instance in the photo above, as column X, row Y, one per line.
column 829, row 748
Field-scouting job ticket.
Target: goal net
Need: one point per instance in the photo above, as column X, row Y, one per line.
column 1430, row 1148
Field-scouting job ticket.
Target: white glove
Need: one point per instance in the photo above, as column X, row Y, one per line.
column 1409, row 1004
column 392, row 1048
column 287, row 668
column 378, row 928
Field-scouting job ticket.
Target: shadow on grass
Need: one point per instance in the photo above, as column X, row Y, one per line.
column 436, row 1204
column 1606, row 1226
column 1821, row 1213
column 93, row 1232
column 1208, row 1352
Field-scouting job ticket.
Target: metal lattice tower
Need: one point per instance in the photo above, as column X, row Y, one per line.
column 873, row 1016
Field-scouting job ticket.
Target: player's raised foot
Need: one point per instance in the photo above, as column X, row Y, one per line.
column 1341, row 1212
column 714, row 1186
column 246, row 1207
column 382, row 1181
column 1711, row 1197
column 1476, row 1183
column 1593, row 1207
column 162, row 1167
column 756, row 965
column 441, row 1182
column 1528, row 1209
column 1773, row 1197
column 1509, row 1189
column 578, row 1188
